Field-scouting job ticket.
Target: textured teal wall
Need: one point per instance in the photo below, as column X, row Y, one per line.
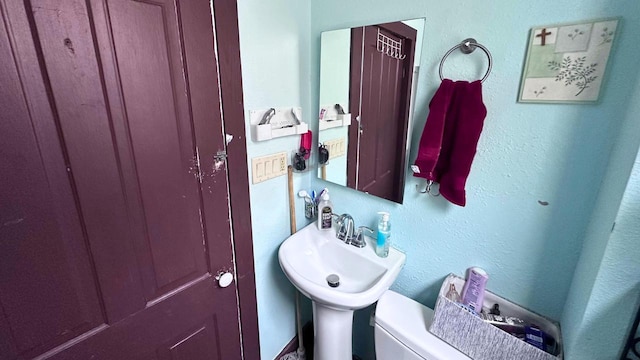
column 527, row 153
column 575, row 157
column 274, row 50
column 615, row 296
column 605, row 291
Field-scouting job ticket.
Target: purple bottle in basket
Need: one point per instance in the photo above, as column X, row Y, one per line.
column 473, row 290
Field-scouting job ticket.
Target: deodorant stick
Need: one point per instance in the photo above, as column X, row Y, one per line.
column 473, row 290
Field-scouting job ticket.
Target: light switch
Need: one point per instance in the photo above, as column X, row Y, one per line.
column 268, row 167
column 259, row 170
column 336, row 147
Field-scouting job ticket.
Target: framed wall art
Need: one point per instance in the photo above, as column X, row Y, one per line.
column 567, row 63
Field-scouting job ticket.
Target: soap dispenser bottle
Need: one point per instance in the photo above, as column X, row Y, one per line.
column 325, row 211
column 384, row 235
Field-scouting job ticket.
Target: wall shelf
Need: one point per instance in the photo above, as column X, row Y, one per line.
column 282, row 122
column 332, row 116
column 338, row 121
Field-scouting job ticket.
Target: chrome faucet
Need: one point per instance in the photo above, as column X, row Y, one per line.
column 348, row 233
column 345, row 228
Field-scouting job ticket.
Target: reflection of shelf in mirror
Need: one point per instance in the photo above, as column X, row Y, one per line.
column 268, row 132
column 283, row 122
column 340, row 120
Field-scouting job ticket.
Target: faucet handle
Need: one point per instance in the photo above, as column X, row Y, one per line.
column 361, row 229
column 360, row 236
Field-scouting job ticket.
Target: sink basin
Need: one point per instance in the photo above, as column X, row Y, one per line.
column 310, row 258
column 310, row 255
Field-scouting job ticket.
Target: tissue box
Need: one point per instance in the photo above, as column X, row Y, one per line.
column 482, row 341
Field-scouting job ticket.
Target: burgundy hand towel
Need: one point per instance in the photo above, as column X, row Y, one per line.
column 431, row 140
column 450, row 137
column 449, row 130
column 461, row 141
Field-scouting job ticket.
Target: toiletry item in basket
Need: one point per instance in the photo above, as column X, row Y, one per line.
column 540, row 339
column 509, row 324
column 534, row 336
column 468, row 309
column 473, row 290
column 495, row 310
column 523, row 331
column 452, row 294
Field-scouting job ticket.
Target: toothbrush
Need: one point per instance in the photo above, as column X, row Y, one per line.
column 322, row 192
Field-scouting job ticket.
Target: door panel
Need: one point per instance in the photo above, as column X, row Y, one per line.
column 119, row 212
column 161, row 135
column 380, row 95
column 63, row 36
column 43, row 248
column 381, row 88
column 194, row 344
column 209, row 132
column 145, row 335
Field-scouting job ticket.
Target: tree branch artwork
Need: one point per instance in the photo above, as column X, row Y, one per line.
column 574, row 72
column 575, row 34
column 607, row 36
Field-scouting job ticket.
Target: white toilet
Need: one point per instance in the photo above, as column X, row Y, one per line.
column 401, row 332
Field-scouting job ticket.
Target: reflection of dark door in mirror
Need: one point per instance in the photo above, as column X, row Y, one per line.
column 379, row 93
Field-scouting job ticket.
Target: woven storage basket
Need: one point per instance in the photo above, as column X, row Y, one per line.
column 482, row 341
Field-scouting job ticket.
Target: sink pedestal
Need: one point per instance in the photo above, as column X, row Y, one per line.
column 332, row 333
column 338, row 278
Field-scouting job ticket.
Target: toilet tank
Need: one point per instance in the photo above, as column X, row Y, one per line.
column 401, row 331
column 388, row 347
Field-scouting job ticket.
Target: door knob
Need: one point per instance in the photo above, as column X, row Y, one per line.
column 224, row 279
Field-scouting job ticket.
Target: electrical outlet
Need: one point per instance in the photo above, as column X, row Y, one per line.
column 336, row 147
column 268, row 167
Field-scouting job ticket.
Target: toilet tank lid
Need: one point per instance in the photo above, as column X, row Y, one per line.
column 409, row 321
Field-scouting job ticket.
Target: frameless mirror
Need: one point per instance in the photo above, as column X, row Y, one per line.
column 367, row 78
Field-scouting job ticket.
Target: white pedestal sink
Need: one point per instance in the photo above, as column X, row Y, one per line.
column 309, row 257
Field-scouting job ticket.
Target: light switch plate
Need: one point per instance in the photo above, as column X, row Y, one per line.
column 336, row 147
column 268, row 167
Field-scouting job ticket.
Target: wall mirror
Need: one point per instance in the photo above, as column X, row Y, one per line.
column 367, row 80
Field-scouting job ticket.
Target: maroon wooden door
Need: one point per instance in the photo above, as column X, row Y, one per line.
column 380, row 94
column 114, row 216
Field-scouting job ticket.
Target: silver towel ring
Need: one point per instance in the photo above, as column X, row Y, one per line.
column 467, row 47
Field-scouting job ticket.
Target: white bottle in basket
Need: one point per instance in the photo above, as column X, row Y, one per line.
column 473, row 290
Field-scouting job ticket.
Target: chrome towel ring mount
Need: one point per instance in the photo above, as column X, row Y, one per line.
column 467, row 46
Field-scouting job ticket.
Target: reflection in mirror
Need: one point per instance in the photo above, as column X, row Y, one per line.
column 367, row 75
